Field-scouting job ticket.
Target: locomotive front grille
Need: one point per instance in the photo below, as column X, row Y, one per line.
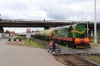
column 83, row 43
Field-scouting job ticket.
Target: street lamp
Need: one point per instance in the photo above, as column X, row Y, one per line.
column 95, row 29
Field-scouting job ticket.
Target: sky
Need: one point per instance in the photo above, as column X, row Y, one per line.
column 75, row 10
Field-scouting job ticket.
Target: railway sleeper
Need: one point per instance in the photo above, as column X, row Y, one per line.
column 77, row 60
column 76, row 63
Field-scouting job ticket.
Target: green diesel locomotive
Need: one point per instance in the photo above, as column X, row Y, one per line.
column 72, row 35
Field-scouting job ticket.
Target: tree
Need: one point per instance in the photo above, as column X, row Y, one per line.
column 99, row 32
column 7, row 32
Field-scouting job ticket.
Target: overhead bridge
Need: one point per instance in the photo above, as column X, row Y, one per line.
column 33, row 23
column 42, row 23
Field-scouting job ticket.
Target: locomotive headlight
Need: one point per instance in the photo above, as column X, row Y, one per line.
column 87, row 40
column 77, row 41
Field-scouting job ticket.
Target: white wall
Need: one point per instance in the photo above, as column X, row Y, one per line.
column 1, row 35
column 6, row 35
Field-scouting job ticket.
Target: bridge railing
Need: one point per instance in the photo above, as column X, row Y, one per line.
column 27, row 20
column 21, row 20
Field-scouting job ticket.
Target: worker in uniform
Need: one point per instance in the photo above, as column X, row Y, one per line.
column 50, row 45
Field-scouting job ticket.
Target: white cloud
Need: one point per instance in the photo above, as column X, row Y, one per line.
column 21, row 9
column 40, row 9
column 83, row 6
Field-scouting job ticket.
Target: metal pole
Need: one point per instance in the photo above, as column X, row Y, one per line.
column 95, row 36
column 50, row 12
column 28, row 41
column 87, row 29
column 0, row 17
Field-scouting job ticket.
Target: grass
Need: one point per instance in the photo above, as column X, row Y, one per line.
column 8, row 37
column 94, row 58
column 31, row 44
column 95, row 44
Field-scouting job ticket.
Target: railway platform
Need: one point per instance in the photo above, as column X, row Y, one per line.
column 11, row 55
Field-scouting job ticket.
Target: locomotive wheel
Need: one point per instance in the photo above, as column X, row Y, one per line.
column 89, row 46
column 74, row 46
column 64, row 42
column 68, row 44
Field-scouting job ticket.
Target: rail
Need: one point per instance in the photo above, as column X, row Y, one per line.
column 74, row 60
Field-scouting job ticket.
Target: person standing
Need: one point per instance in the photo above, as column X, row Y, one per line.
column 50, row 45
column 53, row 45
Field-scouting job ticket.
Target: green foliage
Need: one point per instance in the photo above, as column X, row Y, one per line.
column 7, row 32
column 99, row 32
column 95, row 44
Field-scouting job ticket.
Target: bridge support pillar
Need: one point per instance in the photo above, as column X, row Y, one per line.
column 97, row 32
column 47, row 27
column 1, row 33
column 89, row 33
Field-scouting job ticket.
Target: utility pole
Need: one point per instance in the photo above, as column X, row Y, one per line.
column 0, row 17
column 95, row 28
column 50, row 12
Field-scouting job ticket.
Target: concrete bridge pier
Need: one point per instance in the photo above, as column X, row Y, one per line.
column 1, row 33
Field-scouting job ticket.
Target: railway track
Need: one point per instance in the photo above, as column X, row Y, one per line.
column 68, row 59
column 74, row 60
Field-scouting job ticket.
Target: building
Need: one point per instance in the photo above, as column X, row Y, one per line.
column 12, row 33
column 28, row 30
